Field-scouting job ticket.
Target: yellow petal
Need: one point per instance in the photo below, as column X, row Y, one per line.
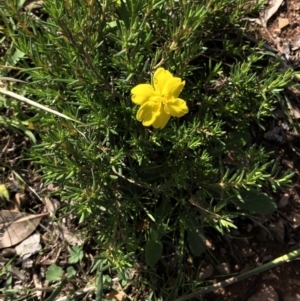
column 148, row 112
column 176, row 107
column 160, row 78
column 173, row 87
column 161, row 120
column 142, row 93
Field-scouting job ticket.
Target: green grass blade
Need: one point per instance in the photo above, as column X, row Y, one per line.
column 285, row 258
column 35, row 104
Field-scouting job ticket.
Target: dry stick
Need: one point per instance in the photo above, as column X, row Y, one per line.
column 285, row 258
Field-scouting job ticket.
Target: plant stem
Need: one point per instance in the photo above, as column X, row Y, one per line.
column 285, row 258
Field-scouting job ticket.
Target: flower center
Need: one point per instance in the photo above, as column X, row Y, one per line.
column 162, row 100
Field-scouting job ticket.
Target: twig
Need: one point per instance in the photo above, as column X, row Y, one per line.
column 134, row 182
column 77, row 294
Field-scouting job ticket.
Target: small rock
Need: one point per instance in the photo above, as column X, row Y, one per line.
column 295, row 218
column 284, row 200
column 224, row 268
column 9, row 253
column 209, row 244
column 265, row 294
column 247, row 252
column 270, row 276
column 205, row 272
column 277, row 229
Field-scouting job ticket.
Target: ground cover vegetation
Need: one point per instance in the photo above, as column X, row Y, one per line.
column 163, row 98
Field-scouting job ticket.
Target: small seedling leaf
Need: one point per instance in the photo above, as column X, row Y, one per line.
column 71, row 272
column 54, row 273
column 76, row 254
column 153, row 252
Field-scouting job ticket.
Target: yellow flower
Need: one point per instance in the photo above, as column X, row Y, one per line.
column 159, row 101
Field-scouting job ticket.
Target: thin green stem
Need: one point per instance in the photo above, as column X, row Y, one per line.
column 285, row 258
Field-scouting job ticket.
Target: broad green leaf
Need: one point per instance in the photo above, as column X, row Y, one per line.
column 196, row 241
column 195, row 236
column 54, row 273
column 153, row 252
column 256, row 202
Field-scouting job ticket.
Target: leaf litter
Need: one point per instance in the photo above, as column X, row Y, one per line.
column 15, row 227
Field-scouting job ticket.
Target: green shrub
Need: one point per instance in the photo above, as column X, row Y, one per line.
column 82, row 58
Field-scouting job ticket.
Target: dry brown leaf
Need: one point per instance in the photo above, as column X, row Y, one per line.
column 15, row 227
column 296, row 43
column 8, row 216
column 65, row 234
column 52, row 205
column 29, row 246
column 35, row 4
column 119, row 296
column 18, row 273
column 275, row 4
column 283, row 22
column 296, row 112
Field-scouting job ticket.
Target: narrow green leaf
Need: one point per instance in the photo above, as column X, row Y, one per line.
column 57, row 291
column 35, row 104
